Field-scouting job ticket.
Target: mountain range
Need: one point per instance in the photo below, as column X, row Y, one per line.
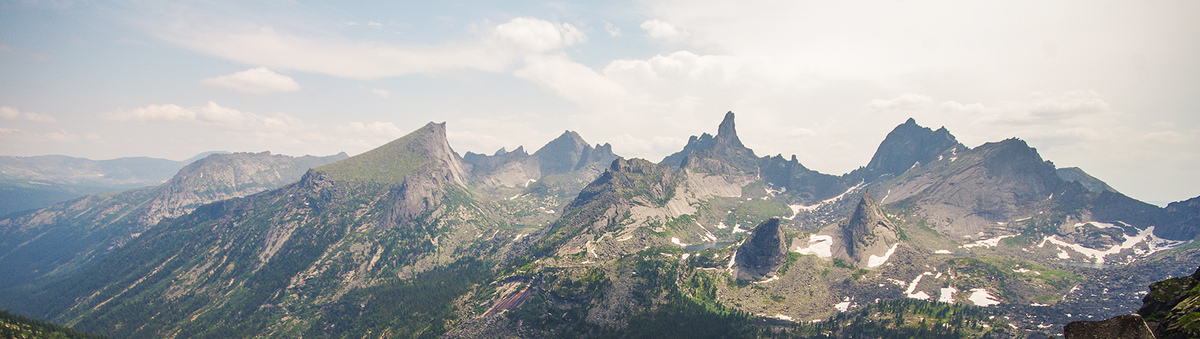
column 411, row 239
column 34, row 182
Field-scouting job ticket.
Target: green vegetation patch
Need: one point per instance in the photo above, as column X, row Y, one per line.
column 386, row 164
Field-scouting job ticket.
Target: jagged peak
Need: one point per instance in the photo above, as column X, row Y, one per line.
column 907, row 144
column 725, row 146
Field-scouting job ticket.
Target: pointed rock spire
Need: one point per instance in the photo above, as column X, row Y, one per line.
column 727, row 134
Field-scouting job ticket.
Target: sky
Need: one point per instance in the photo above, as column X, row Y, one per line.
column 1112, row 87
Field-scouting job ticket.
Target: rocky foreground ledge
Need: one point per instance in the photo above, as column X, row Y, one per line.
column 1171, row 310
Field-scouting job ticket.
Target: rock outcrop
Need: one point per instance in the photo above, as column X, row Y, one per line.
column 763, row 253
column 1172, row 308
column 1129, row 326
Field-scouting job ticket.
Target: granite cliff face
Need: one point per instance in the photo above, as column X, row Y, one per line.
column 762, row 254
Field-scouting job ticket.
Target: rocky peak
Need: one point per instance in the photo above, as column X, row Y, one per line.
column 1013, row 161
column 562, row 154
column 905, row 146
column 762, row 254
column 860, row 229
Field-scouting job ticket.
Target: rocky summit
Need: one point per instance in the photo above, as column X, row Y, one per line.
column 763, row 253
column 931, row 238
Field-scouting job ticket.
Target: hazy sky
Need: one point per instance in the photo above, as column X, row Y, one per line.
column 1109, row 86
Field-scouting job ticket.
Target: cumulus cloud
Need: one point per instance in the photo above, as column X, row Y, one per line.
column 531, row 35
column 656, row 29
column 9, row 113
column 258, row 80
column 382, row 93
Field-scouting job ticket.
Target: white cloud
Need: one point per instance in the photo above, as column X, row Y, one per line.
column 495, row 50
column 209, row 114
column 382, row 93
column 9, row 113
column 531, row 35
column 904, row 102
column 1040, row 108
column 374, row 24
column 375, row 130
column 258, row 80
column 656, row 29
column 612, row 30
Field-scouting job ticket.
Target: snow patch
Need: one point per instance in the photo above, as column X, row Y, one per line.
column 947, row 294
column 942, row 252
column 721, row 225
column 819, row 245
column 913, row 286
column 874, row 261
column 988, row 243
column 783, row 317
column 1153, row 243
column 797, row 208
column 773, row 278
column 625, row 238
column 675, row 240
column 737, row 228
column 842, row 306
column 981, row 297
